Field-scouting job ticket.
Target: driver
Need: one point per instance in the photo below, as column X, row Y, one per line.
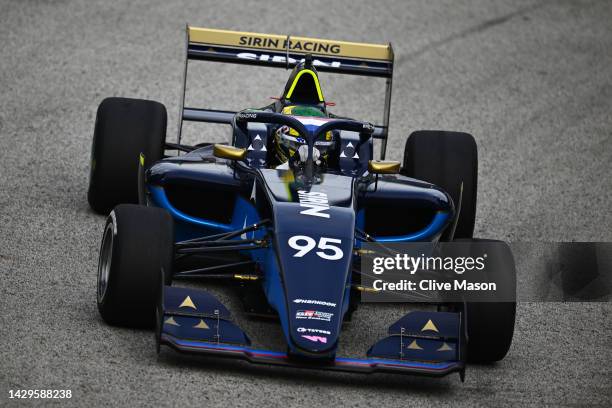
column 290, row 146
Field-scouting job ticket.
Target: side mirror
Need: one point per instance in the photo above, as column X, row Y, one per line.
column 229, row 152
column 383, row 167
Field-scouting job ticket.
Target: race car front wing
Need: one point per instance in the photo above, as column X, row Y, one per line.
column 421, row 343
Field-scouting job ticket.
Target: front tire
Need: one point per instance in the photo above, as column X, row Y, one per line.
column 490, row 323
column 124, row 129
column 136, row 246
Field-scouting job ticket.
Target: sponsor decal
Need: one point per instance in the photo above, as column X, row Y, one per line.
column 316, row 202
column 287, row 43
column 246, row 116
column 314, row 302
column 316, row 339
column 282, row 59
column 313, row 315
column 309, row 330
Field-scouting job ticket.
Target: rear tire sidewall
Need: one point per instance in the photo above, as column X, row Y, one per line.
column 124, row 128
column 446, row 159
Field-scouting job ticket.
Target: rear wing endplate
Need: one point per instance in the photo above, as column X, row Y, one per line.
column 285, row 51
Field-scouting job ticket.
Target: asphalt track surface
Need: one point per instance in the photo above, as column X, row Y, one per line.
column 531, row 80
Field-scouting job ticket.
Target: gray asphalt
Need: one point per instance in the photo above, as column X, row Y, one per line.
column 532, row 80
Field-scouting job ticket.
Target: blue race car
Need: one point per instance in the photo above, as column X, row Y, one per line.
column 284, row 210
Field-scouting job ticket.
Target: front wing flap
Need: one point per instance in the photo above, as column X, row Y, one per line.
column 196, row 315
column 366, row 365
column 423, row 336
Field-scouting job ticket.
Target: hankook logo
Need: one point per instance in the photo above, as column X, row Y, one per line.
column 246, row 116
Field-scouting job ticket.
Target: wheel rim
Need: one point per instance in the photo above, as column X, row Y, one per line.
column 104, row 263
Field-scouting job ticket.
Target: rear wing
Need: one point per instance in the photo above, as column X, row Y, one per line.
column 285, row 51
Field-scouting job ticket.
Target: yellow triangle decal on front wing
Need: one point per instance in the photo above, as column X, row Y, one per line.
column 444, row 347
column 188, row 303
column 201, row 325
column 414, row 346
column 429, row 326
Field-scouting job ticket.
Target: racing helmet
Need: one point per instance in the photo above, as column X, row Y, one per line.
column 289, row 142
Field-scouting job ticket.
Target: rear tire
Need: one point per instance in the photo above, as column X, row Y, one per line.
column 137, row 245
column 446, row 159
column 124, row 129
